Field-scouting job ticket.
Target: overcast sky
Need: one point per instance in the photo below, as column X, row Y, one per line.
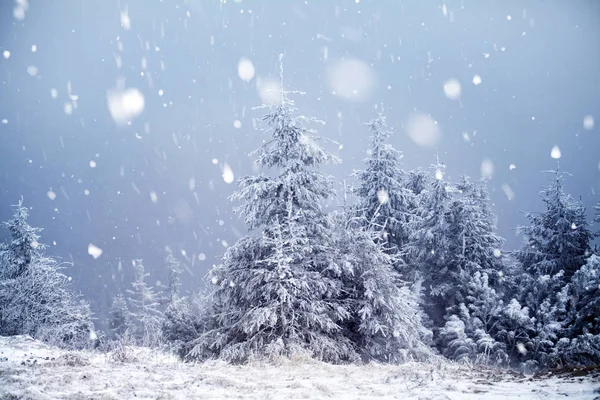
column 528, row 74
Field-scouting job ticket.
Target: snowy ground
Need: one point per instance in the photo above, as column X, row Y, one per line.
column 32, row 370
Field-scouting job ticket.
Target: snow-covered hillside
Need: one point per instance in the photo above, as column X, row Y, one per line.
column 31, row 370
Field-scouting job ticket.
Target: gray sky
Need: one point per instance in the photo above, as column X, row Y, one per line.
column 540, row 77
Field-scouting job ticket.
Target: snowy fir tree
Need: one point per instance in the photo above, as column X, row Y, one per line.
column 173, row 290
column 473, row 258
column 480, row 315
column 145, row 308
column 516, row 330
column 430, row 246
column 558, row 238
column 186, row 319
column 479, row 244
column 384, row 319
column 580, row 344
column 556, row 245
column 24, row 245
column 273, row 294
column 35, row 298
column 384, row 201
column 119, row 318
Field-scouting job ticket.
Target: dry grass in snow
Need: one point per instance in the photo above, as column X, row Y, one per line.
column 32, row 370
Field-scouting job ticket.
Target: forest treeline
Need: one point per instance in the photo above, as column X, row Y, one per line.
column 409, row 268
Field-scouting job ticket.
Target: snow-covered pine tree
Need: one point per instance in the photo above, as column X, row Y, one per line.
column 273, row 294
column 23, row 246
column 457, row 344
column 145, row 308
column 417, row 181
column 174, row 285
column 558, row 238
column 185, row 320
column 556, row 245
column 384, row 201
column 384, row 317
column 581, row 344
column 516, row 330
column 35, row 298
column 430, row 246
column 119, row 318
column 479, row 244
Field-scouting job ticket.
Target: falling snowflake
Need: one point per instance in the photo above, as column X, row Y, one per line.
column 452, row 89
column 423, row 130
column 476, row 80
column 351, row 79
column 245, row 69
column 32, row 70
column 588, row 122
column 555, row 153
column 228, row 176
column 487, row 168
column 125, row 105
column 125, row 21
column 94, row 251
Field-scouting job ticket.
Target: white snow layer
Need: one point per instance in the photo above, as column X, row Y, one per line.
column 31, row 370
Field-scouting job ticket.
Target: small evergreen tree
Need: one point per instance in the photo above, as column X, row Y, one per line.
column 384, row 201
column 516, row 328
column 557, row 243
column 186, row 319
column 175, row 270
column 383, row 315
column 35, row 298
column 580, row 344
column 558, row 238
column 430, row 246
column 145, row 308
column 23, row 247
column 119, row 318
column 458, row 345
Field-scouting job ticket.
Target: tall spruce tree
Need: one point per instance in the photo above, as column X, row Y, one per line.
column 430, row 246
column 145, row 308
column 476, row 245
column 556, row 245
column 384, row 317
column 23, row 246
column 173, row 290
column 580, row 344
column 557, row 238
column 384, row 200
column 35, row 297
column 273, row 293
column 119, row 318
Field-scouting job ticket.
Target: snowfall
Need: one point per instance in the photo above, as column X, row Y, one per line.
column 32, row 370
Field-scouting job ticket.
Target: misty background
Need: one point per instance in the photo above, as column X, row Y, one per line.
column 201, row 67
